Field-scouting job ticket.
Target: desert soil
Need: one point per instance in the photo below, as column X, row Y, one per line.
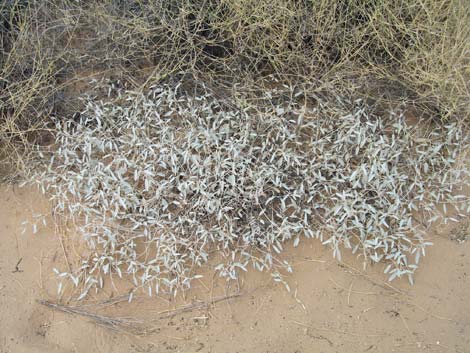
column 331, row 306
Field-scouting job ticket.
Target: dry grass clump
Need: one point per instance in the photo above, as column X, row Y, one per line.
column 415, row 51
column 162, row 180
column 29, row 65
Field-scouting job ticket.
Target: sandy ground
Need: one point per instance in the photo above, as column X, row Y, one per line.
column 332, row 307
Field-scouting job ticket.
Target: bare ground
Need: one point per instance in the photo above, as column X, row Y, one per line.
column 332, row 307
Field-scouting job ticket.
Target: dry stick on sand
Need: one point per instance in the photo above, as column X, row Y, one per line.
column 335, row 330
column 123, row 324
column 430, row 313
column 131, row 325
column 387, row 286
column 110, row 301
column 194, row 306
column 372, row 280
column 360, row 292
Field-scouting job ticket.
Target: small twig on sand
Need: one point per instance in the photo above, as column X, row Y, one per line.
column 194, row 306
column 64, row 252
column 336, row 331
column 372, row 280
column 429, row 313
column 17, row 267
column 133, row 326
column 349, row 293
column 110, row 301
